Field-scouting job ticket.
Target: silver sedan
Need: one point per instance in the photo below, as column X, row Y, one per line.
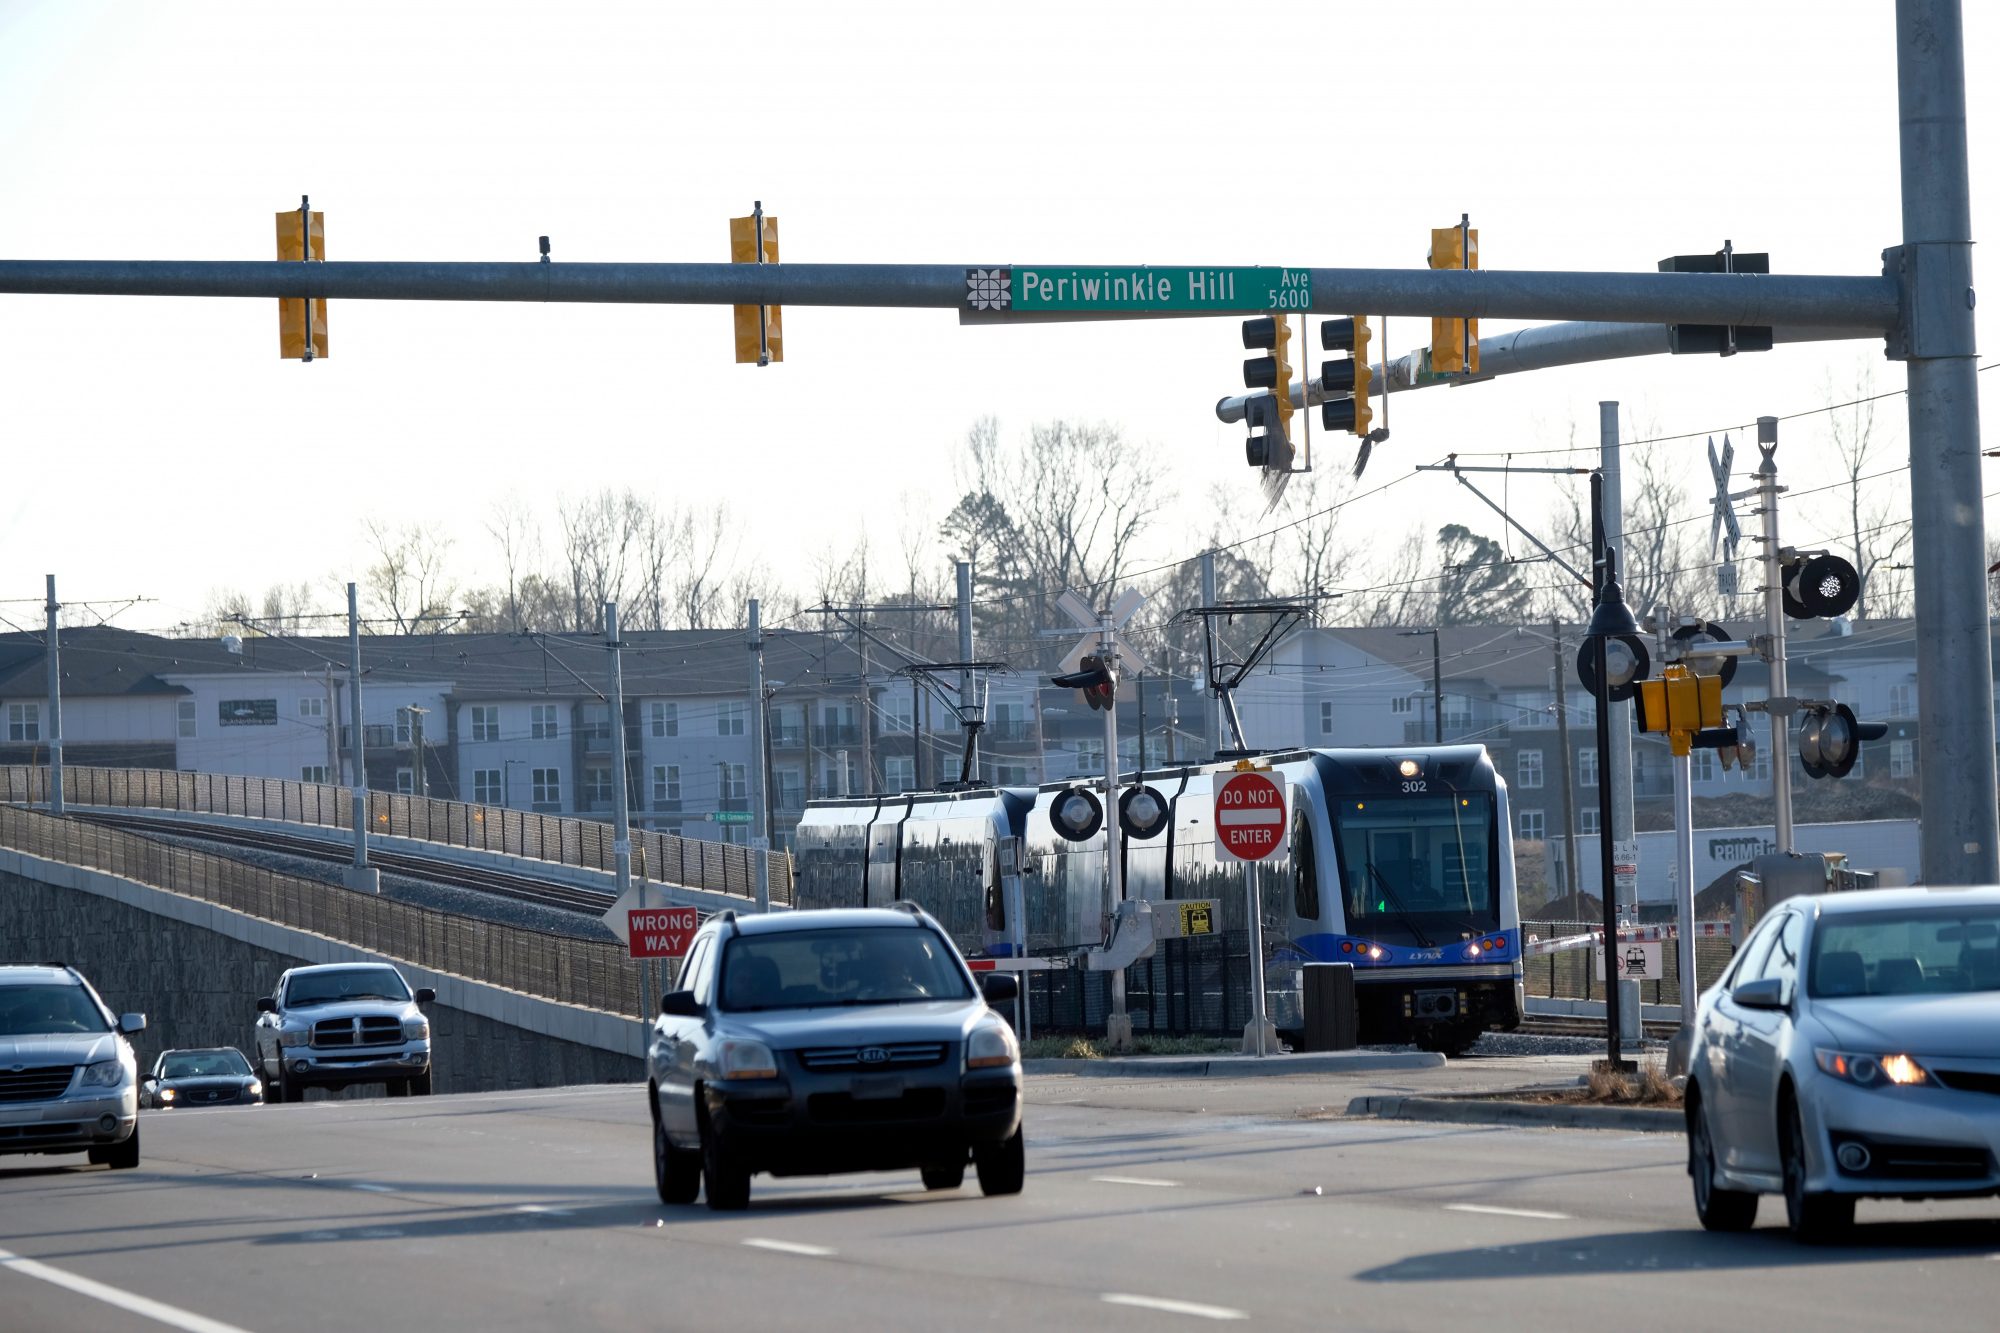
column 1852, row 1050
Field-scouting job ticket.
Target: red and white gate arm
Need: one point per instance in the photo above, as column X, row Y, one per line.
column 1629, row 935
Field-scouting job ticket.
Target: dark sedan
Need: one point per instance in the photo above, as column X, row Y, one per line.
column 216, row 1076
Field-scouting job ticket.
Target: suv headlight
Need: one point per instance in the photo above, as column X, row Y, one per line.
column 991, row 1046
column 292, row 1036
column 744, row 1058
column 103, row 1074
column 416, row 1029
column 1869, row 1070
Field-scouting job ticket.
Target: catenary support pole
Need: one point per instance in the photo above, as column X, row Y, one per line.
column 621, row 801
column 54, row 655
column 760, row 797
column 965, row 699
column 1615, row 765
column 1961, row 826
column 1212, row 702
column 1118, row 1032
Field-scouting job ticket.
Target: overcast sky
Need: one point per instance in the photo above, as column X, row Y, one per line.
column 160, row 448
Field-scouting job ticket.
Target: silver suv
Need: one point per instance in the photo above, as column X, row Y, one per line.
column 68, row 1077
column 337, row 1024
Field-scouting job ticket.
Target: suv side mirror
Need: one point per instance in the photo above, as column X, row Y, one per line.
column 680, row 1004
column 425, row 995
column 999, row 987
column 266, row 1005
column 1763, row 993
column 130, row 1023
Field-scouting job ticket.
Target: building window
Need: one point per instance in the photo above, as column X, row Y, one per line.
column 1531, row 826
column 1531, row 712
column 1586, row 766
column 1586, row 821
column 791, row 785
column 899, row 714
column 486, row 788
column 543, row 726
column 735, row 782
column 1457, row 711
column 597, row 786
column 666, row 782
column 184, row 711
column 1701, row 765
column 664, row 718
column 1902, row 758
column 1400, row 704
column 312, row 706
column 403, row 718
column 1760, row 768
column 1528, row 768
column 1010, row 775
column 1326, row 718
column 1010, row 721
column 899, row 771
column 729, row 718
column 548, row 785
column 1090, row 756
column 1902, row 701
column 24, row 722
column 406, row 781
column 313, row 773
column 485, row 723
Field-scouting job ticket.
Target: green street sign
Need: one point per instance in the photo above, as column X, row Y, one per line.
column 733, row 817
column 1147, row 287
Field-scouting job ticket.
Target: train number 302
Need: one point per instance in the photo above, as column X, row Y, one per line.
column 1415, row 785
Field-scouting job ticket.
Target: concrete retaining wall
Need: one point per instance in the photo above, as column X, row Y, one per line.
column 196, row 970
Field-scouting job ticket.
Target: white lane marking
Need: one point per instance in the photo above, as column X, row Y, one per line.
column 376, row 1189
column 1173, row 1307
column 545, row 1210
column 132, row 1303
column 789, row 1247
column 1135, row 1180
column 1506, row 1212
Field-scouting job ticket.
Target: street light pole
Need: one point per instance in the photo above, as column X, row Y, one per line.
column 1610, row 619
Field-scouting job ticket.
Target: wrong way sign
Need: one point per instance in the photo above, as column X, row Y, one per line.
column 1250, row 816
column 652, row 932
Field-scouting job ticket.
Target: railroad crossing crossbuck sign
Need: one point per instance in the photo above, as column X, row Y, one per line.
column 1250, row 816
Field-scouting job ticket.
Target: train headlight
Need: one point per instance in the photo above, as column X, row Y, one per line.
column 1409, row 768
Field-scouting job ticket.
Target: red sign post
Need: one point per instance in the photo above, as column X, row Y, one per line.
column 660, row 932
column 1250, row 816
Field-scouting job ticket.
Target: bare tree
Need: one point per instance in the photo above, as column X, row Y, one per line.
column 513, row 527
column 1877, row 529
column 221, row 614
column 1477, row 583
column 408, row 583
column 287, row 607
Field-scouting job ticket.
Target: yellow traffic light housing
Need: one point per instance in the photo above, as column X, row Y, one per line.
column 1454, row 341
column 1680, row 704
column 760, row 338
column 298, row 242
column 1352, row 376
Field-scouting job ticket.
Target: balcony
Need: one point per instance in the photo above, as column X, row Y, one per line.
column 835, row 735
column 1011, row 731
column 788, row 738
column 1456, row 730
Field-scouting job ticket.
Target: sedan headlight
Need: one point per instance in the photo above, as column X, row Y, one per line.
column 744, row 1058
column 991, row 1046
column 165, row 1095
column 255, row 1087
column 416, row 1029
column 103, row 1074
column 292, row 1036
column 1870, row 1070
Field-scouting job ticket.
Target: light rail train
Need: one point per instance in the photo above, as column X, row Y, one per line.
column 1399, row 861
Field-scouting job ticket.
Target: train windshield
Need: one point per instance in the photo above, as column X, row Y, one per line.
column 1418, row 867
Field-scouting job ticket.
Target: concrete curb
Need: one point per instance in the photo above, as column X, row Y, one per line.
column 1491, row 1111
column 1237, row 1066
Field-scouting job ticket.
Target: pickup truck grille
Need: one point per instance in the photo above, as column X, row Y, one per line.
column 887, row 1056
column 36, row 1083
column 374, row 1030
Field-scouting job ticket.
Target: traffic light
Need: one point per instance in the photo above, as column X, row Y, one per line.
column 760, row 337
column 1094, row 680
column 1723, row 339
column 1351, row 377
column 1454, row 341
column 1830, row 739
column 1820, row 585
column 299, row 241
column 1273, row 414
column 1680, row 704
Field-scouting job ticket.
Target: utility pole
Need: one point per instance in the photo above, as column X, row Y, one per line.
column 621, row 809
column 1118, row 1030
column 55, row 705
column 361, row 876
column 1778, row 697
column 332, row 726
column 868, row 778
column 1616, row 766
column 418, row 787
column 971, row 765
column 1212, row 709
column 760, row 801
column 1570, row 884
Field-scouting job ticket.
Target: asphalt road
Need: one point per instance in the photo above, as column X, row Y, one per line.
column 1150, row 1204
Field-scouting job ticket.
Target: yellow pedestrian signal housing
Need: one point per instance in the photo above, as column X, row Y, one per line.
column 1454, row 341
column 1351, row 377
column 1680, row 703
column 293, row 312
column 1273, row 334
column 760, row 338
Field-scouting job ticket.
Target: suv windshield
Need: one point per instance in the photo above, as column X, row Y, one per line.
column 867, row 965
column 204, row 1064
column 1915, row 951
column 32, row 1011
column 355, row 983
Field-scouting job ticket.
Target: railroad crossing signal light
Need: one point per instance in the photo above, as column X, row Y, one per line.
column 1094, row 681
column 1820, row 585
column 1454, row 341
column 293, row 312
column 760, row 337
column 1830, row 739
column 1625, row 658
column 1273, row 334
column 1352, row 377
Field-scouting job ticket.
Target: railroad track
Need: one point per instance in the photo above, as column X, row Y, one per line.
column 1583, row 1025
column 500, row 883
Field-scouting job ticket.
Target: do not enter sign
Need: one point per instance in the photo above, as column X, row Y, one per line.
column 1250, row 816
